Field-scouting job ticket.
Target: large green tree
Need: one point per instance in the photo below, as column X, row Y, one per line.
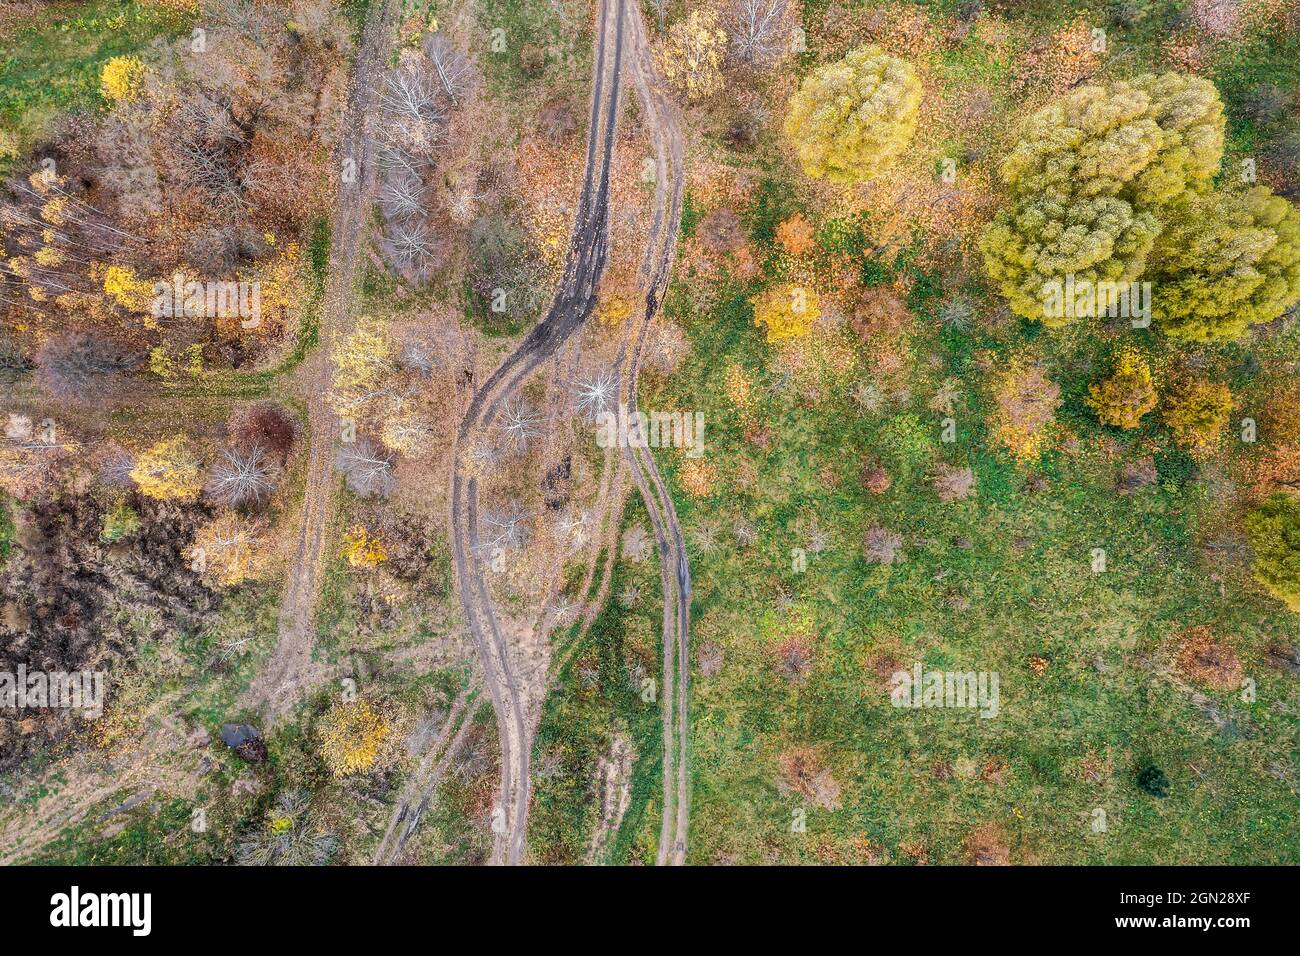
column 1225, row 261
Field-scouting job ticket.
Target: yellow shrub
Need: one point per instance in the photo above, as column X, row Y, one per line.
column 362, row 549
column 122, row 78
column 351, row 735
column 786, row 311
column 1197, row 410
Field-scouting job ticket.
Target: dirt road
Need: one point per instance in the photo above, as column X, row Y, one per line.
column 290, row 670
column 572, row 305
column 663, row 123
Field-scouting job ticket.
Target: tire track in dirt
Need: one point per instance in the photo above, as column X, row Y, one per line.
column 664, row 125
column 572, row 305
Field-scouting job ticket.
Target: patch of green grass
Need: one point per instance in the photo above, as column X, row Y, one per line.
column 988, row 583
column 600, row 693
column 53, row 64
column 6, row 527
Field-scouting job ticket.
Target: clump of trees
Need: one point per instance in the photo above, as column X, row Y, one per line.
column 1224, row 262
column 417, row 100
column 1113, row 183
column 851, row 118
column 83, row 367
column 83, row 599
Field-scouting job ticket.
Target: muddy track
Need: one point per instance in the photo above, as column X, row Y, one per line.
column 290, row 669
column 663, row 123
column 571, row 307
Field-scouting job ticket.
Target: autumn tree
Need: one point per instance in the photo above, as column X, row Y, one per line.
column 1197, row 411
column 851, row 118
column 362, row 361
column 795, row 235
column 1128, row 394
column 1224, row 262
column 1088, row 179
column 1026, row 402
column 786, row 311
column 691, row 55
column 265, row 425
column 1273, row 530
column 168, row 470
column 229, row 550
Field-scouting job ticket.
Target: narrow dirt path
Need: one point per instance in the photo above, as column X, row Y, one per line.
column 290, row 668
column 419, row 789
column 664, row 125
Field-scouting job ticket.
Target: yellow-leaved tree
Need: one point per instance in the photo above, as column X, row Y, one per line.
column 786, row 311
column 362, row 360
column 168, row 470
column 1089, row 179
column 691, row 55
column 229, row 550
column 1225, row 261
column 851, row 118
column 1127, row 395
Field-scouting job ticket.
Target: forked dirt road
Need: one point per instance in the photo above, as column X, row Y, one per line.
column 290, row 670
column 572, row 305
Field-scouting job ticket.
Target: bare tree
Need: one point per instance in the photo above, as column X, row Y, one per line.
column 450, row 66
column 412, row 248
column 241, row 477
column 401, row 195
column 506, row 528
column 519, row 424
column 413, row 117
column 368, row 470
column 760, row 30
column 953, row 483
column 595, row 394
